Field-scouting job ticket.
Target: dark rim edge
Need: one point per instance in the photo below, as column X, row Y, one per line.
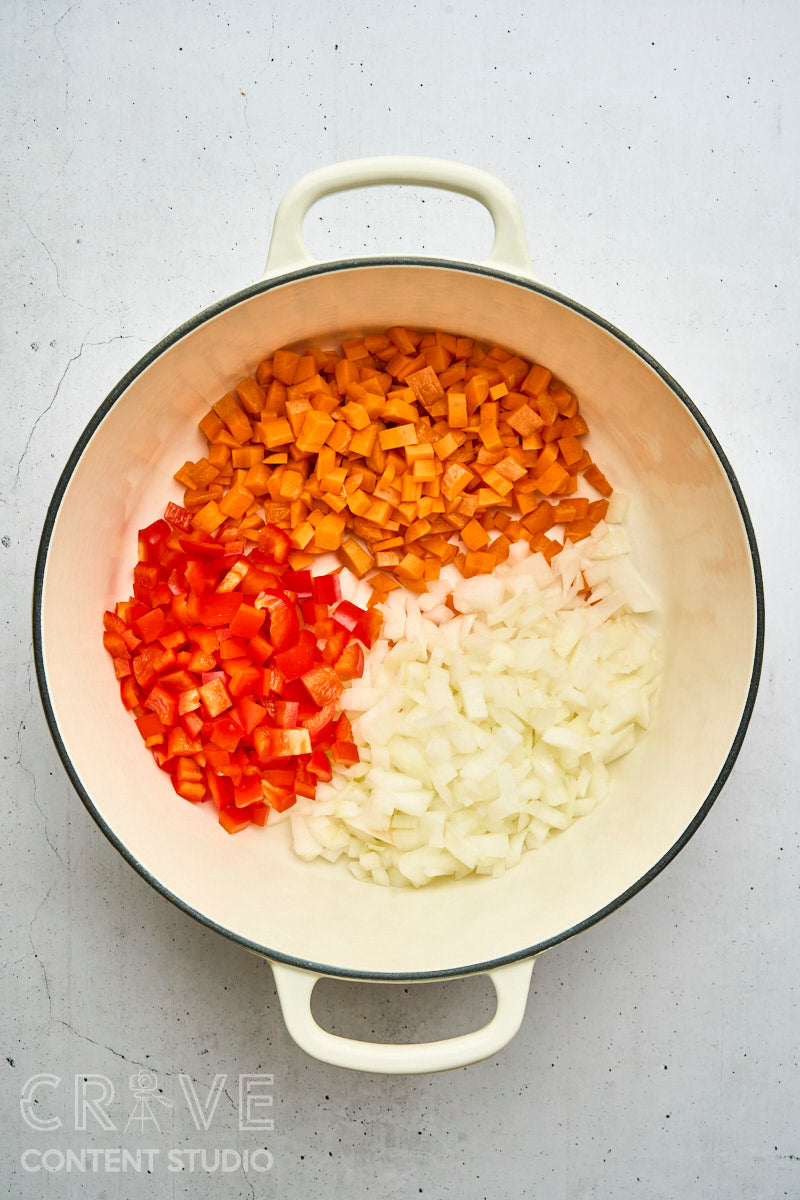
column 230, row 302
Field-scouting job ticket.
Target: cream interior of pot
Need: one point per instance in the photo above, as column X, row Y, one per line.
column 689, row 542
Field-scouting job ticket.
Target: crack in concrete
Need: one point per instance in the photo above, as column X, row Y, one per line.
column 120, row 337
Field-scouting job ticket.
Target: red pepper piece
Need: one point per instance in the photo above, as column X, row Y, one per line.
column 247, row 621
column 201, row 547
column 320, row 723
column 194, row 792
column 250, row 714
column 320, row 765
column 163, row 703
column 284, row 625
column 226, row 733
column 323, row 684
column 219, row 610
column 350, row 663
column 305, row 783
column 151, row 729
column 144, row 664
column 122, row 667
column 129, row 693
column 274, row 542
column 259, row 649
column 286, row 742
column 115, row 645
column 348, row 615
column 258, row 813
column 152, row 540
column 232, row 647
column 215, row 698
column 327, row 589
column 220, row 788
column 279, row 798
column 234, row 820
column 245, row 682
column 248, row 792
column 179, row 742
column 285, row 713
column 299, row 658
column 151, row 625
column 299, row 582
column 180, row 517
column 334, row 645
column 369, row 627
column 345, row 753
column 192, row 722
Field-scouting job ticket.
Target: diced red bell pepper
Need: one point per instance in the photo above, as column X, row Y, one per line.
column 114, row 643
column 323, row 684
column 279, row 798
column 151, row 624
column 259, row 649
column 178, row 516
column 248, row 791
column 320, row 723
column 334, row 646
column 187, row 769
column 234, row 820
column 258, row 580
column 151, row 729
column 192, row 722
column 178, row 681
column 305, row 783
column 274, row 542
column 258, row 813
column 201, row 661
column 350, row 664
column 284, row 625
column 144, row 664
column 348, row 615
column 122, row 667
column 129, row 693
column 232, row 647
column 247, row 621
column 285, row 742
column 220, row 788
column 152, row 540
column 327, row 589
column 320, row 765
column 199, row 577
column 369, row 627
column 201, row 547
column 246, row 681
column 285, row 713
column 296, row 660
column 219, row 610
column 194, row 792
column 345, row 753
column 250, row 714
column 226, row 733
column 180, row 743
column 299, row 582
column 215, row 698
column 164, row 703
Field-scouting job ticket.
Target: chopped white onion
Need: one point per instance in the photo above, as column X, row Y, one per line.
column 481, row 734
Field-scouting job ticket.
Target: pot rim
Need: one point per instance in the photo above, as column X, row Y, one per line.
column 208, row 314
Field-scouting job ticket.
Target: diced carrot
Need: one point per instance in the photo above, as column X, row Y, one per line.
column 597, row 479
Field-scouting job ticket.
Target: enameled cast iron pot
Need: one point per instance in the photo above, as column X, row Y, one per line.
column 692, row 540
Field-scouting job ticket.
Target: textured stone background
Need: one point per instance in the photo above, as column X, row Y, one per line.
column 654, row 151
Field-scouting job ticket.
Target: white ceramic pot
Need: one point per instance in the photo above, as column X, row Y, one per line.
column 691, row 537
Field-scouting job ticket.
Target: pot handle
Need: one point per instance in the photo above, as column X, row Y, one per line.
column 511, row 983
column 287, row 250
